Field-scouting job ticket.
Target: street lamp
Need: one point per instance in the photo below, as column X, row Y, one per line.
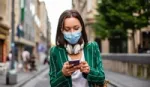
column 11, row 77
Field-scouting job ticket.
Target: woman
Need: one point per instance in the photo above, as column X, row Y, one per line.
column 72, row 44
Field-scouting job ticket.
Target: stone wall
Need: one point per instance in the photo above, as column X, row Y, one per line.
column 132, row 66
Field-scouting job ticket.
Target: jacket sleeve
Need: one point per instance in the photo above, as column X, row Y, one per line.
column 57, row 79
column 96, row 75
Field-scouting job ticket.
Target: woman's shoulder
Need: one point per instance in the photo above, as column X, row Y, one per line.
column 92, row 44
column 54, row 49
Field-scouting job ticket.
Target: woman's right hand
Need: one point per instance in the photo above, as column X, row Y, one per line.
column 68, row 69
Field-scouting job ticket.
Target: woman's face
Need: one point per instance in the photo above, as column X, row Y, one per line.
column 71, row 25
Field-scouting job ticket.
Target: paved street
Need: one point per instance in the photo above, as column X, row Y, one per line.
column 126, row 81
column 118, row 80
column 41, row 80
column 22, row 76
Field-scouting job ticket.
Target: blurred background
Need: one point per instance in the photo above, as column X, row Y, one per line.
column 120, row 27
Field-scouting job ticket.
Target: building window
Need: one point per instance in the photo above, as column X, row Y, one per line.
column 146, row 42
column 118, row 45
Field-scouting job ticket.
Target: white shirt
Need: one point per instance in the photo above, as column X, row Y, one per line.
column 25, row 55
column 10, row 56
column 77, row 79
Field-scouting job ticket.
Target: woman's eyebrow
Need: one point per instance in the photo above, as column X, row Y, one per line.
column 72, row 26
column 66, row 27
column 76, row 26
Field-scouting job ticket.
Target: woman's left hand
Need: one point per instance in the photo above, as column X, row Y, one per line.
column 84, row 67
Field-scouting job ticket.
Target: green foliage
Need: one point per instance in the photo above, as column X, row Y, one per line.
column 117, row 16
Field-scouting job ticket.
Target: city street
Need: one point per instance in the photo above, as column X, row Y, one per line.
column 121, row 80
column 111, row 37
column 116, row 80
column 41, row 80
column 23, row 77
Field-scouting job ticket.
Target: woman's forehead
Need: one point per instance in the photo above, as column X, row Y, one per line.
column 71, row 22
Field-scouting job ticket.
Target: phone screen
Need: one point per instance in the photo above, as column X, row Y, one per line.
column 74, row 62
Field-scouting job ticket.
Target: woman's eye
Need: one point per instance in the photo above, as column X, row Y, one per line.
column 76, row 28
column 66, row 29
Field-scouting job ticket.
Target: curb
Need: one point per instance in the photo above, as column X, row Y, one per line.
column 20, row 84
column 114, row 84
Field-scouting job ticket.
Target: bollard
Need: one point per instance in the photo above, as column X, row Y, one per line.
column 11, row 78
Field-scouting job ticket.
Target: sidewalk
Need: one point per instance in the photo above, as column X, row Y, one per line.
column 23, row 77
column 121, row 80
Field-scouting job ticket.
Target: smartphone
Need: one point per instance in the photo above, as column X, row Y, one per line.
column 74, row 62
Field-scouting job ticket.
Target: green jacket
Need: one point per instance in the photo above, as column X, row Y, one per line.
column 58, row 56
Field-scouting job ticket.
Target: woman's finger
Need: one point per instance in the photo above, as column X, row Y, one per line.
column 66, row 66
column 71, row 71
column 77, row 66
column 85, row 65
column 70, row 66
column 66, row 63
column 85, row 69
column 83, row 62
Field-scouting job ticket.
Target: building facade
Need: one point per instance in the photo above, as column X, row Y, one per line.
column 31, row 26
column 33, row 15
column 87, row 8
column 4, row 29
column 24, row 28
column 48, row 33
column 43, row 16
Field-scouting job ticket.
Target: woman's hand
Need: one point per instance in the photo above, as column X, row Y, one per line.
column 68, row 69
column 84, row 67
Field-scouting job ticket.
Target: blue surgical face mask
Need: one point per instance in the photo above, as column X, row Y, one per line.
column 72, row 37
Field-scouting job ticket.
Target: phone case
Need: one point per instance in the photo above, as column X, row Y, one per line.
column 74, row 62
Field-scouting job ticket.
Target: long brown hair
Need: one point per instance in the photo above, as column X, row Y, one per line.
column 60, row 41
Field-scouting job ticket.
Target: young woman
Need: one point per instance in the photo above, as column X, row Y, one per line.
column 72, row 44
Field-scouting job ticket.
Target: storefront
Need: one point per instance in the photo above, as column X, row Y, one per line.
column 21, row 44
column 3, row 42
column 1, row 50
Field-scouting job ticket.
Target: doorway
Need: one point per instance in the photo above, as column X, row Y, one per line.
column 1, row 50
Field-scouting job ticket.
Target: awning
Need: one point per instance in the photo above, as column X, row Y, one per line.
column 24, row 41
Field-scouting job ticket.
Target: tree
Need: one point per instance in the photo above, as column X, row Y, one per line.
column 120, row 15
